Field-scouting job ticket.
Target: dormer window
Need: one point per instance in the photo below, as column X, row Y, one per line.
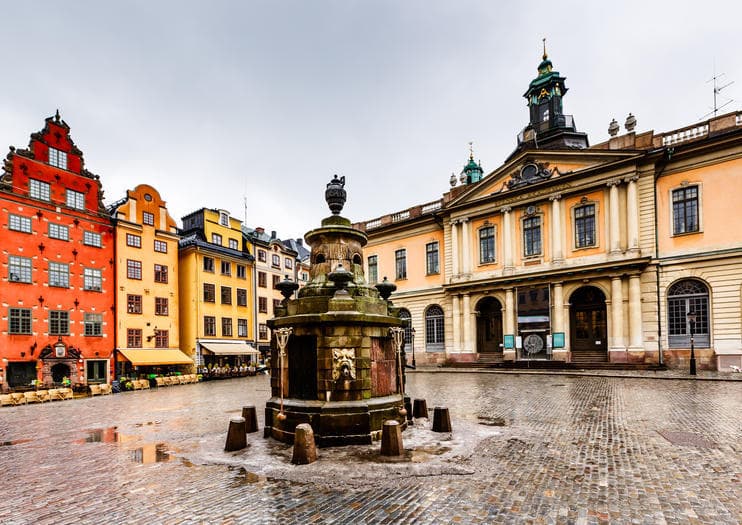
column 57, row 158
column 224, row 218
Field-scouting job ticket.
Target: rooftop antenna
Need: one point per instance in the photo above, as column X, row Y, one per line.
column 717, row 93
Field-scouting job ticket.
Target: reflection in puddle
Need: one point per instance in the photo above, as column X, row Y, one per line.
column 150, row 453
column 144, row 453
column 244, row 477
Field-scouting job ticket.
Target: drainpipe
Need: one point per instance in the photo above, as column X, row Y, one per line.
column 668, row 152
column 115, row 299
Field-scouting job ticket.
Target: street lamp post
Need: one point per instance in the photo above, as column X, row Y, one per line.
column 692, row 322
column 412, row 330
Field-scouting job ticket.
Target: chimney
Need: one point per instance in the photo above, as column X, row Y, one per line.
column 273, row 234
column 300, row 242
column 260, row 230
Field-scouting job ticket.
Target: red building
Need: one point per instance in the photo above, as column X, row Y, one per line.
column 56, row 275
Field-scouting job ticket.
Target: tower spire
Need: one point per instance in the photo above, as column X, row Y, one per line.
column 545, row 56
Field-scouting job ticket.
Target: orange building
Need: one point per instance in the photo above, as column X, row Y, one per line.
column 57, row 283
column 620, row 252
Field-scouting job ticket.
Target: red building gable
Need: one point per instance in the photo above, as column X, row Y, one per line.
column 56, row 273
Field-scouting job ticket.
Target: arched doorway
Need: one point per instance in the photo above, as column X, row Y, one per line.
column 59, row 372
column 489, row 326
column 588, row 328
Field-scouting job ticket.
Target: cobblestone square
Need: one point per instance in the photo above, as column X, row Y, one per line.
column 524, row 449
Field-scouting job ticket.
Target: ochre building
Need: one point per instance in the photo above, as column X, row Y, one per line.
column 576, row 253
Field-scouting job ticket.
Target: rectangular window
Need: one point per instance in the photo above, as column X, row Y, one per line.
column 148, row 218
column 160, row 273
column 19, row 321
column 93, row 324
column 39, row 190
column 91, row 239
column 208, row 264
column 431, row 258
column 133, row 240
column 59, row 275
column 241, row 327
column 75, row 199
column 241, row 271
column 685, row 210
column 162, row 338
column 373, row 269
column 209, row 293
column 487, row 245
column 59, row 322
column 161, row 246
column 58, row 231
column 276, row 279
column 288, row 263
column 19, row 269
column 19, row 223
column 585, row 226
column 263, row 305
column 532, row 236
column 263, row 331
column 134, row 338
column 276, row 260
column 400, row 258
column 226, row 294
column 209, row 325
column 226, row 327
column 276, row 305
column 92, row 279
column 216, row 239
column 134, row 304
column 134, row 269
column 262, row 279
column 224, row 219
column 241, row 297
column 226, row 268
column 57, row 158
column 161, row 306
column 261, row 256
column 234, row 244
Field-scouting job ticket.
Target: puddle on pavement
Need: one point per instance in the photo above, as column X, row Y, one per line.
column 14, row 442
column 414, row 455
column 144, row 453
column 245, row 477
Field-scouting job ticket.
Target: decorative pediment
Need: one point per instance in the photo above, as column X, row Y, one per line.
column 530, row 173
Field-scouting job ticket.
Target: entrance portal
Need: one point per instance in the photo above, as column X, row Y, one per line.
column 489, row 327
column 59, row 372
column 588, row 330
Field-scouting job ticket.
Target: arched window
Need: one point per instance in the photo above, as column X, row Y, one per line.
column 688, row 295
column 434, row 329
column 405, row 315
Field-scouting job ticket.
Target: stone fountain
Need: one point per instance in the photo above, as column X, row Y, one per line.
column 336, row 359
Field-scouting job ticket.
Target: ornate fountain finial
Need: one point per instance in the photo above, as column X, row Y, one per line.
column 471, row 151
column 335, row 194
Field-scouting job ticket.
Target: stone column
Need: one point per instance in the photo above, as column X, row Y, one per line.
column 454, row 248
column 636, row 337
column 507, row 239
column 613, row 218
column 632, row 214
column 456, row 314
column 465, row 249
column 509, row 327
column 560, row 354
column 617, row 339
column 467, row 324
column 557, row 252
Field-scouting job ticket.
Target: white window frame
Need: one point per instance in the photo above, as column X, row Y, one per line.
column 74, row 199
column 93, row 279
column 38, row 189
column 57, row 158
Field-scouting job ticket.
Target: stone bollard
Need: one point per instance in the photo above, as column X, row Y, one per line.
column 236, row 438
column 251, row 418
column 441, row 420
column 408, row 407
column 391, row 439
column 305, row 451
column 420, row 408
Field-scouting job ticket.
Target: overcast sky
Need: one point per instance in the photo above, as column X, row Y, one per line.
column 212, row 102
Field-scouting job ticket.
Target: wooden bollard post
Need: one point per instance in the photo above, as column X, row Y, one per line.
column 420, row 408
column 236, row 438
column 305, row 451
column 251, row 418
column 441, row 420
column 391, row 439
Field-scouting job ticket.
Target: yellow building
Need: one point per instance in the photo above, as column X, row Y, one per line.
column 216, row 290
column 147, row 314
column 576, row 253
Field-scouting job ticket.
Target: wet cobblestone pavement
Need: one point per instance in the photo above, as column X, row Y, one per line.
column 525, row 449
